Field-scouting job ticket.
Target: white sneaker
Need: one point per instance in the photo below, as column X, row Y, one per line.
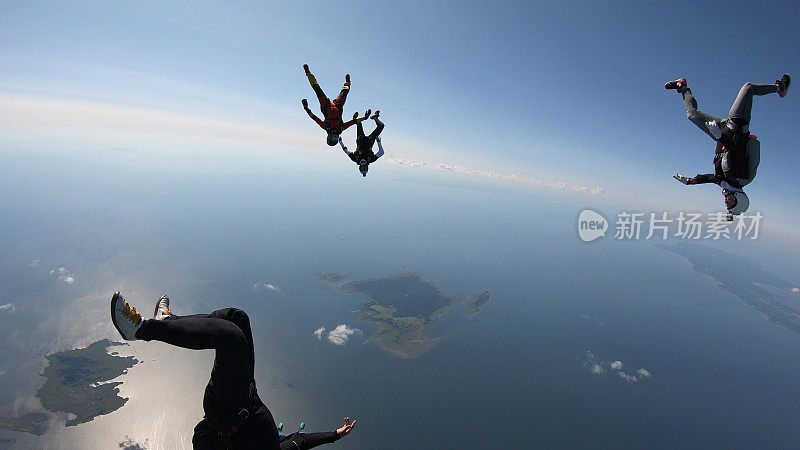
column 162, row 308
column 125, row 318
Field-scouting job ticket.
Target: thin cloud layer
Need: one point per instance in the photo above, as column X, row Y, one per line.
column 8, row 308
column 514, row 178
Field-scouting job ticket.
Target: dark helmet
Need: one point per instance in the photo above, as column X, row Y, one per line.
column 363, row 167
column 333, row 139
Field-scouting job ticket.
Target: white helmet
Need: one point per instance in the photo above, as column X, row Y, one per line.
column 742, row 203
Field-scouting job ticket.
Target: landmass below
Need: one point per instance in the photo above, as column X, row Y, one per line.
column 404, row 307
column 73, row 386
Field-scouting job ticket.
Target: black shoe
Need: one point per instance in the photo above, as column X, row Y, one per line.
column 678, row 84
column 783, row 84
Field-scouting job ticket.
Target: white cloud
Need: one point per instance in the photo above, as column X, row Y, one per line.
column 340, row 334
column 8, row 307
column 598, row 367
column 34, row 263
column 267, row 286
column 63, row 275
column 595, row 366
column 795, row 290
column 318, row 332
column 628, row 378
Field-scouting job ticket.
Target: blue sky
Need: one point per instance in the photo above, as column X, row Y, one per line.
column 566, row 91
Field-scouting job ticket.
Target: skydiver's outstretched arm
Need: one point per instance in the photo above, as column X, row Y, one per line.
column 356, row 120
column 698, row 179
column 380, row 148
column 344, row 148
column 302, row 441
column 704, row 179
column 312, row 115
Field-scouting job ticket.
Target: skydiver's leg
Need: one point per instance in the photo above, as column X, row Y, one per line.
column 323, row 99
column 740, row 111
column 343, row 94
column 359, row 131
column 695, row 116
column 227, row 331
column 378, row 128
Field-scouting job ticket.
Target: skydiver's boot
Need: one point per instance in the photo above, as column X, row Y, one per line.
column 124, row 317
column 311, row 78
column 783, row 84
column 679, row 84
column 280, row 431
column 162, row 308
column 681, row 178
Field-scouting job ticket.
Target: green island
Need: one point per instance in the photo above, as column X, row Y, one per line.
column 746, row 280
column 404, row 307
column 72, row 385
column 477, row 302
column 333, row 277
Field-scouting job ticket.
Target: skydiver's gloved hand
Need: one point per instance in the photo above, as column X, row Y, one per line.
column 377, row 113
column 346, row 428
column 367, row 114
column 681, row 178
column 347, row 78
column 355, row 115
column 305, row 103
column 305, row 67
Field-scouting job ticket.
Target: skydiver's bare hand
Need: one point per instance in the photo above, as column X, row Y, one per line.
column 346, row 428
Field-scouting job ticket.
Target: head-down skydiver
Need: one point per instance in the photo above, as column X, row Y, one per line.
column 331, row 110
column 363, row 156
column 737, row 153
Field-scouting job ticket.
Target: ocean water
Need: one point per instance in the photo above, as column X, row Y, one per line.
column 212, row 230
